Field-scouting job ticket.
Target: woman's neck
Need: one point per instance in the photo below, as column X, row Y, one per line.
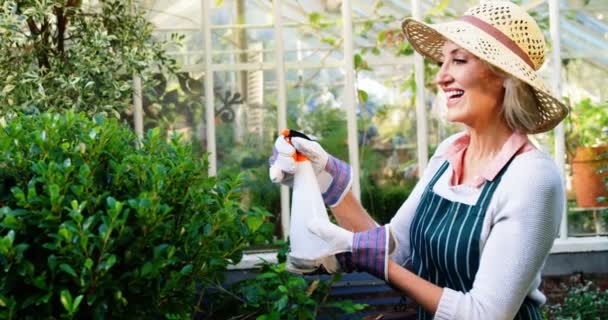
column 486, row 142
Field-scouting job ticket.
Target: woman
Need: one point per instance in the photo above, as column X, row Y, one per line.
column 471, row 240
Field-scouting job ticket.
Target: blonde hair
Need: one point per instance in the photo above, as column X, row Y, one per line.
column 520, row 107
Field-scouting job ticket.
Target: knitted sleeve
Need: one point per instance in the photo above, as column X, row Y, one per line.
column 400, row 223
column 528, row 210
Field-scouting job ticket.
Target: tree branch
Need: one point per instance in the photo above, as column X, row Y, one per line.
column 33, row 27
column 62, row 22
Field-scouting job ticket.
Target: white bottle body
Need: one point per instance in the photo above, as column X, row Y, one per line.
column 306, row 205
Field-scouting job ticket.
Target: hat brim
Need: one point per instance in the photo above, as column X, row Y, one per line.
column 428, row 40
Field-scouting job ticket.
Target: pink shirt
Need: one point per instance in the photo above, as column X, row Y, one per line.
column 516, row 144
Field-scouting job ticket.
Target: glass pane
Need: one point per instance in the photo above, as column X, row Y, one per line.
column 182, row 18
column 245, row 108
column 388, row 149
column 175, row 105
column 242, row 31
column 315, row 107
column 305, row 44
column 583, row 38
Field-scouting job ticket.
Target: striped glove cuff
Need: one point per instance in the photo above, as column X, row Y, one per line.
column 370, row 251
column 341, row 181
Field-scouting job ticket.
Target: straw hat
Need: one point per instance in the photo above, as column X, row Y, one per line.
column 504, row 35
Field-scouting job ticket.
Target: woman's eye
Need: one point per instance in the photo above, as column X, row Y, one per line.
column 460, row 61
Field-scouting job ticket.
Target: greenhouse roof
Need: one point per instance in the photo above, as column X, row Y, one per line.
column 584, row 26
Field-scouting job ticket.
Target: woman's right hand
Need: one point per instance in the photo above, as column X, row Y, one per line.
column 333, row 175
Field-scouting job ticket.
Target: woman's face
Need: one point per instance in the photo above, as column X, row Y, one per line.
column 474, row 93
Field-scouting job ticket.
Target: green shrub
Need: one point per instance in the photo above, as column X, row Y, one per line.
column 383, row 202
column 582, row 302
column 76, row 55
column 93, row 227
column 275, row 294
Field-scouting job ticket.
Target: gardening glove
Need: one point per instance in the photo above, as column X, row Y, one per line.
column 324, row 265
column 366, row 251
column 334, row 176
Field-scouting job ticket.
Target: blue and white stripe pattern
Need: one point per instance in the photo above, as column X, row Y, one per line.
column 445, row 240
column 341, row 181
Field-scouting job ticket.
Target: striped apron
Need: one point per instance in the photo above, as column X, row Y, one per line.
column 445, row 239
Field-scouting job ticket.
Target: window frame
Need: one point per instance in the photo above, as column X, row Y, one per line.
column 563, row 244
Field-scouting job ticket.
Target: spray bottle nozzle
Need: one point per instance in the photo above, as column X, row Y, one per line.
column 290, row 133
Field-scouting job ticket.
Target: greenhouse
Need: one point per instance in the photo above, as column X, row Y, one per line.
column 137, row 157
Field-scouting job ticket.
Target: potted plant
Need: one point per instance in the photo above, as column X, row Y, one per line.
column 587, row 152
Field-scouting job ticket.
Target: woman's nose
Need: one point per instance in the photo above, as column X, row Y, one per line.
column 443, row 77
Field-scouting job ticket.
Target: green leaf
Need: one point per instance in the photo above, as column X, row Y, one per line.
column 65, row 233
column 10, row 222
column 314, row 19
column 218, row 3
column 10, row 236
column 148, row 269
column 88, row 263
column 281, row 303
column 110, row 262
column 254, row 222
column 68, row 269
column 54, row 193
column 7, row 89
column 187, row 269
column 330, row 41
column 358, row 61
column 66, row 300
column 362, row 96
column 76, row 304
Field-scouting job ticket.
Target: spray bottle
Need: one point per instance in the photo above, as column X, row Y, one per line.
column 306, row 205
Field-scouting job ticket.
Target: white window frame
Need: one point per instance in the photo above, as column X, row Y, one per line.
column 563, row 244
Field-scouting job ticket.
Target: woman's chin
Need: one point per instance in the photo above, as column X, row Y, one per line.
column 454, row 116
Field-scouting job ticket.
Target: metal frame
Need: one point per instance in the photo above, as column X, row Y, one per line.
column 563, row 244
column 560, row 138
column 349, row 95
column 281, row 104
column 421, row 118
column 209, row 97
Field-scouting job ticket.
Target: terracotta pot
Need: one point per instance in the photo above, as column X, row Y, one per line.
column 588, row 184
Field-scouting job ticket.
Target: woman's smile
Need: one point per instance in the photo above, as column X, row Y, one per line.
column 454, row 96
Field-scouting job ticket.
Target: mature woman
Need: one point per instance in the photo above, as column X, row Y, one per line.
column 470, row 241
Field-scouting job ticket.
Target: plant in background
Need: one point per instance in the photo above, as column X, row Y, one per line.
column 71, row 55
column 275, row 294
column 586, row 146
column 586, row 124
column 93, row 227
column 583, row 301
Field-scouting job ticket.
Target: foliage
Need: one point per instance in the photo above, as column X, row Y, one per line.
column 586, row 123
column 328, row 126
column 173, row 103
column 70, row 55
column 383, row 201
column 93, row 226
column 603, row 170
column 277, row 294
column 245, row 160
column 582, row 302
